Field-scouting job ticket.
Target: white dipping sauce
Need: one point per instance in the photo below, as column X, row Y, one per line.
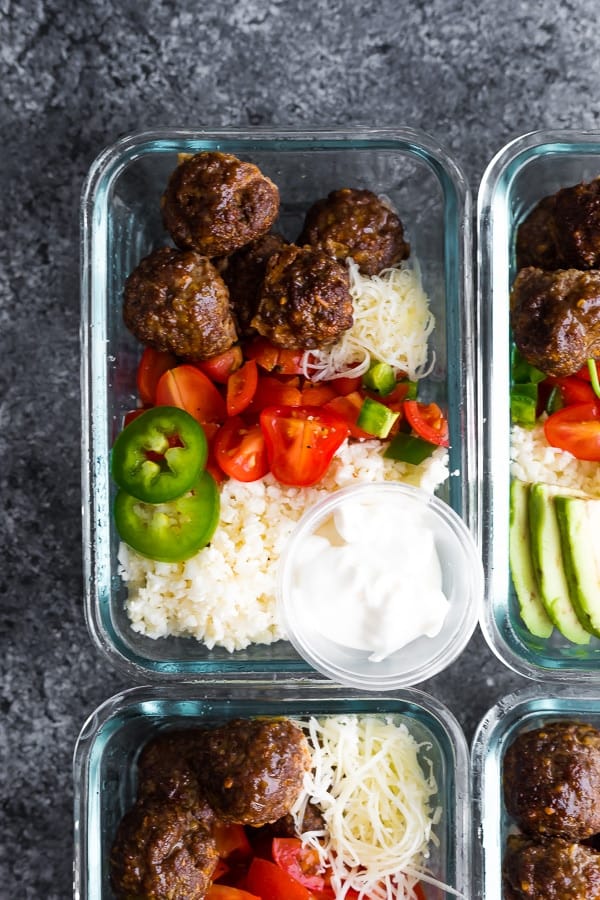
column 370, row 578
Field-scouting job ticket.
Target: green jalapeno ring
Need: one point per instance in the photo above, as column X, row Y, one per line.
column 172, row 531
column 159, row 455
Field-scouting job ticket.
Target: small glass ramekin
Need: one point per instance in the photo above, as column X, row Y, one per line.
column 461, row 577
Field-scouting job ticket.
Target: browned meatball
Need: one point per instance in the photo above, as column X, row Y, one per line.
column 253, row 769
column 535, row 237
column 166, row 768
column 552, row 780
column 163, row 851
column 555, row 317
column 563, row 230
column 215, row 203
column 356, row 223
column 243, row 273
column 305, row 299
column 550, row 870
column 176, row 300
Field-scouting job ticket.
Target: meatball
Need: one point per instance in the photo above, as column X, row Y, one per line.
column 243, row 273
column 555, row 317
column 552, row 780
column 176, row 300
column 163, row 851
column 253, row 769
column 215, row 203
column 563, row 230
column 305, row 299
column 359, row 224
column 166, row 770
column 552, row 870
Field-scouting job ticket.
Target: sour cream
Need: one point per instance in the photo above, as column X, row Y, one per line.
column 370, row 578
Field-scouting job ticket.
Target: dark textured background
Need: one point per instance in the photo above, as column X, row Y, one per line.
column 74, row 76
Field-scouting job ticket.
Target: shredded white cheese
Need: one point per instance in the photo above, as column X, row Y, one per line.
column 368, row 781
column 392, row 322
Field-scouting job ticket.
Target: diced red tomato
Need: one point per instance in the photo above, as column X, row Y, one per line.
column 395, row 400
column 301, row 862
column 573, row 389
column 271, row 391
column 241, row 388
column 225, row 892
column 346, row 385
column 348, row 407
column 301, row 441
column 219, row 367
column 153, row 364
column 231, row 839
column 240, row 450
column 317, row 394
column 576, row 429
column 584, row 371
column 271, row 883
column 428, row 420
column 419, row 893
column 274, row 359
column 190, row 389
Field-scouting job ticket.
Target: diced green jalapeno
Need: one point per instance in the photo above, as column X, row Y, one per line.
column 409, row 448
column 381, row 378
column 522, row 372
column 375, row 418
column 523, row 404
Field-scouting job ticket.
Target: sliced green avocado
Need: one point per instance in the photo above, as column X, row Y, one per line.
column 547, row 558
column 579, row 525
column 524, row 578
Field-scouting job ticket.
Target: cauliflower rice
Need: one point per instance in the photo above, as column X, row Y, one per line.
column 225, row 595
column 534, row 460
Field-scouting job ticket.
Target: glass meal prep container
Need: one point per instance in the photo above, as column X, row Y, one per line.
column 523, row 710
column 121, row 223
column 520, row 175
column 110, row 742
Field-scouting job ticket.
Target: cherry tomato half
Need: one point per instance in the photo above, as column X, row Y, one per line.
column 428, row 420
column 267, row 880
column 153, row 364
column 301, row 441
column 271, row 391
column 278, row 360
column 576, row 429
column 241, row 388
column 240, row 450
column 189, row 388
column 219, row 367
column 573, row 389
column 301, row 862
column 231, row 839
column 349, row 407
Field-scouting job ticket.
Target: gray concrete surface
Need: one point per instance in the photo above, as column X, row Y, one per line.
column 75, row 76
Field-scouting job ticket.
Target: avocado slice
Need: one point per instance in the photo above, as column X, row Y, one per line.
column 532, row 610
column 579, row 525
column 547, row 558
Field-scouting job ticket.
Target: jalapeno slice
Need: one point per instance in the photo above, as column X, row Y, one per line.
column 159, row 455
column 172, row 531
